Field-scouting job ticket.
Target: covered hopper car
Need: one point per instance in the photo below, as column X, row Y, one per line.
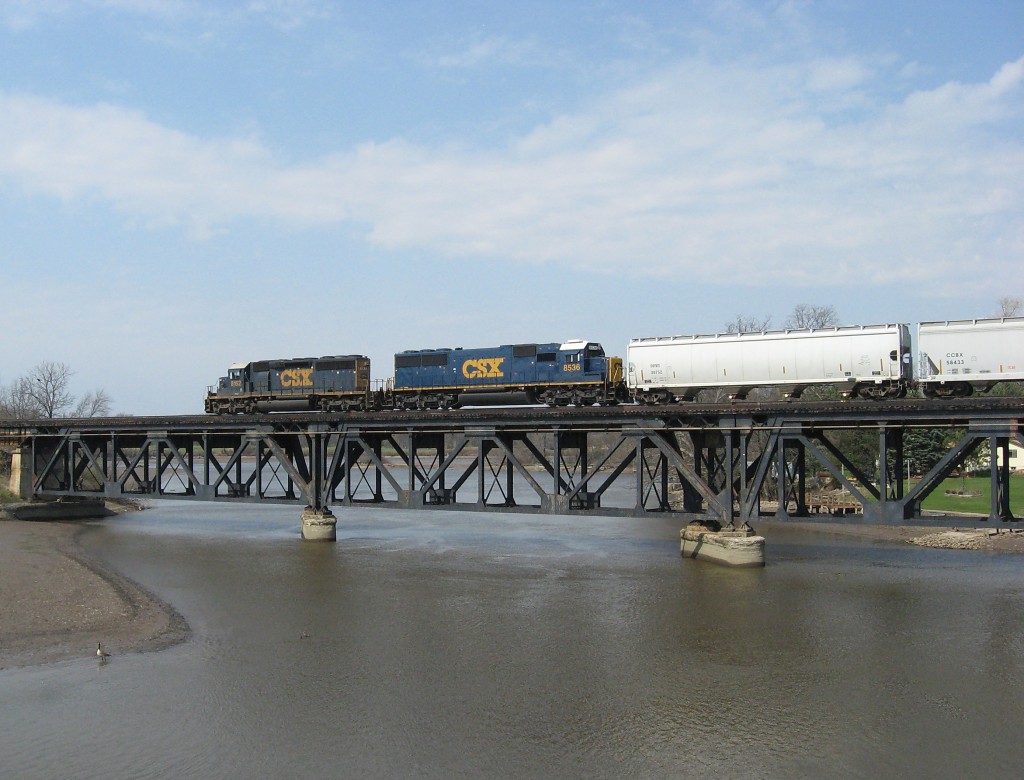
column 958, row 357
column 867, row 361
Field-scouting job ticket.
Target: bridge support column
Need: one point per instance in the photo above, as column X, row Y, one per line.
column 319, row 525
column 21, row 473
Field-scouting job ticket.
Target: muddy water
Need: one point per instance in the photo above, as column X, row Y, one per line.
column 452, row 644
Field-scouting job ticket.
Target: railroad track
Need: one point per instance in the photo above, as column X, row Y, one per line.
column 952, row 410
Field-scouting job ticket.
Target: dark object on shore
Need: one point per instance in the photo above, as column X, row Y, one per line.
column 61, row 509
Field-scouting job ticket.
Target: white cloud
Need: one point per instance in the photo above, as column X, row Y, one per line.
column 699, row 171
column 477, row 50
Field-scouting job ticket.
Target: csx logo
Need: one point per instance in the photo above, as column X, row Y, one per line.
column 297, row 377
column 483, row 368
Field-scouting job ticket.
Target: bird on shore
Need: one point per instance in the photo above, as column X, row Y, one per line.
column 100, row 652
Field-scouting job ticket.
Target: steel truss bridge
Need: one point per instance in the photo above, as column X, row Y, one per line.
column 726, row 463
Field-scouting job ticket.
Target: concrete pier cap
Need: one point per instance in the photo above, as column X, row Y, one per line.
column 319, row 525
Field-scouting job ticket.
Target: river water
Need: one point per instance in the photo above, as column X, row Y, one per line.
column 455, row 644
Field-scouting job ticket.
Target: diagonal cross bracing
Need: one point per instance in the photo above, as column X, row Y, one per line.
column 718, row 463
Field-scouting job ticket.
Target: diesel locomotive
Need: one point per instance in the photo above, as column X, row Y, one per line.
column 558, row 374
column 953, row 359
column 333, row 383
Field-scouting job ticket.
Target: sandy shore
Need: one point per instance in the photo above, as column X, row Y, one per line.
column 56, row 604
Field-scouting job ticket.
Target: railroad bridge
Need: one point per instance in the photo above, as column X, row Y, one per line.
column 726, row 464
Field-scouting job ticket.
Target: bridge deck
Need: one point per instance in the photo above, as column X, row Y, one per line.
column 718, row 462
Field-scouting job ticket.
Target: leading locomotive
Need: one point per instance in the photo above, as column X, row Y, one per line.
column 333, row 383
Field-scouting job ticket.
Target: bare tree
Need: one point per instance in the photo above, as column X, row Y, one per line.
column 807, row 316
column 747, row 324
column 45, row 392
column 95, row 404
column 47, row 385
column 14, row 404
column 1010, row 306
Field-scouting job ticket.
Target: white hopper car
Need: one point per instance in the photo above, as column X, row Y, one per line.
column 959, row 357
column 870, row 361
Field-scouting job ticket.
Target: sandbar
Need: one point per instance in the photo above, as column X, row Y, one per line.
column 56, row 603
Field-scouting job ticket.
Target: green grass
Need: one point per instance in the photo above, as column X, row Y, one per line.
column 938, row 501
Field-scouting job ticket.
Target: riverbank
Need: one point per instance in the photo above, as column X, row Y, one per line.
column 997, row 537
column 57, row 603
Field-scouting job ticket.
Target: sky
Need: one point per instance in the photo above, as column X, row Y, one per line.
column 186, row 184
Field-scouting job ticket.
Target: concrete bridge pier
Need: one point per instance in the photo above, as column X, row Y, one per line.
column 319, row 525
column 21, row 474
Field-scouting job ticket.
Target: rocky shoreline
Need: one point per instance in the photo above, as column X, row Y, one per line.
column 995, row 538
column 58, row 603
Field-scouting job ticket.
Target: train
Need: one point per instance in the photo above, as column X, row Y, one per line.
column 573, row 372
column 954, row 359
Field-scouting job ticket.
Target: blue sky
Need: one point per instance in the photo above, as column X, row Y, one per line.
column 188, row 184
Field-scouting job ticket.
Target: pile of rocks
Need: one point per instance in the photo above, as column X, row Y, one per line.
column 974, row 539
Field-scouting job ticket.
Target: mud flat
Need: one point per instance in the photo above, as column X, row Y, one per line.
column 57, row 603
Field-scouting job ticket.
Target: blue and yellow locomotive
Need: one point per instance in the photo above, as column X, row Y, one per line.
column 332, row 383
column 575, row 372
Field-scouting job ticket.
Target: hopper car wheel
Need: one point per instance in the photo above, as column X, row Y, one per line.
column 655, row 397
column 950, row 390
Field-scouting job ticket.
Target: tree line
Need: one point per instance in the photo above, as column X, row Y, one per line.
column 45, row 393
column 806, row 315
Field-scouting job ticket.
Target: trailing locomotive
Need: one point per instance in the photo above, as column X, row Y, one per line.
column 955, row 359
column 574, row 372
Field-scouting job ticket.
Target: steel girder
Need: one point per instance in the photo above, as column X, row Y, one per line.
column 721, row 467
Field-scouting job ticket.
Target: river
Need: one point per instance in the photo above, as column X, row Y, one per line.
column 454, row 644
